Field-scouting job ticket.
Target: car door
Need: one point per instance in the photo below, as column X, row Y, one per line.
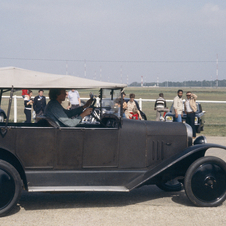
column 81, row 147
column 100, row 147
column 36, row 147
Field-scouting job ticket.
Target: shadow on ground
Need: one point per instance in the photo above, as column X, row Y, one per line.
column 149, row 194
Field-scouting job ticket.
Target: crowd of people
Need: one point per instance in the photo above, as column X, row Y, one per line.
column 189, row 107
column 65, row 107
column 69, row 101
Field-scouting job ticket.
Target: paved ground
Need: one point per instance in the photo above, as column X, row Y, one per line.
column 144, row 206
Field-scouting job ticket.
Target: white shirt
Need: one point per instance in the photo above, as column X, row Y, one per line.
column 188, row 107
column 178, row 105
column 73, row 97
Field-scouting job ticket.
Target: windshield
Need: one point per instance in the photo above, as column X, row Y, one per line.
column 111, row 101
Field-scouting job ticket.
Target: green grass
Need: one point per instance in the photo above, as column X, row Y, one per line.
column 215, row 116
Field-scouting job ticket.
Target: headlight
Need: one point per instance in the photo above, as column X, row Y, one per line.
column 196, row 120
column 169, row 118
column 200, row 140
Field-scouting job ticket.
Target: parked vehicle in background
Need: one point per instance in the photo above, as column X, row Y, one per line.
column 199, row 117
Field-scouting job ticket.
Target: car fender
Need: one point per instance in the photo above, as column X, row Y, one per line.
column 180, row 160
column 9, row 157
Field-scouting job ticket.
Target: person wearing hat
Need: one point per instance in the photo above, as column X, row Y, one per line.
column 39, row 103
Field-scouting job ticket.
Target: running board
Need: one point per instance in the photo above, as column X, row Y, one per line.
column 78, row 188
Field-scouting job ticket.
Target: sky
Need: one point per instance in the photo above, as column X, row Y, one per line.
column 116, row 40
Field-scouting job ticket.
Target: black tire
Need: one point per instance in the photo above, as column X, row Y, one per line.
column 170, row 186
column 10, row 187
column 205, row 182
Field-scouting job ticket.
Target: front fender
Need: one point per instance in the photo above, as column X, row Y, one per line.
column 179, row 163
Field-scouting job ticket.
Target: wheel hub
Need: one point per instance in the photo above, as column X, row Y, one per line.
column 210, row 182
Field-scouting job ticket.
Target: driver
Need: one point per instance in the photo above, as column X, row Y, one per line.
column 61, row 116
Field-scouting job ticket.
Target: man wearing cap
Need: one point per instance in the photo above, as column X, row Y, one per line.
column 39, row 103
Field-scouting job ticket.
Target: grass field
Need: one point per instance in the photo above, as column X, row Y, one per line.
column 215, row 116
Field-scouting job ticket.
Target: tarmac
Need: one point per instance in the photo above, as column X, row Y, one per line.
column 147, row 205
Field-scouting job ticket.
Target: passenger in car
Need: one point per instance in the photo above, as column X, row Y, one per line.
column 132, row 112
column 61, row 116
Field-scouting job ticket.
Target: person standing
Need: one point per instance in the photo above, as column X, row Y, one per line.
column 39, row 103
column 178, row 106
column 66, row 103
column 160, row 106
column 28, row 102
column 74, row 99
column 190, row 108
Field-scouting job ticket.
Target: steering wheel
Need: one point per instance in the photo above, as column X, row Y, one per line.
column 93, row 113
column 93, row 103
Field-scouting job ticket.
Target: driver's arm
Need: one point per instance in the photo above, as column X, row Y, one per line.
column 73, row 112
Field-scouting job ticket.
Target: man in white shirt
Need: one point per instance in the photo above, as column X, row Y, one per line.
column 190, row 108
column 178, row 106
column 74, row 99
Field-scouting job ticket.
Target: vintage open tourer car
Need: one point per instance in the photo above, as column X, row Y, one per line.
column 112, row 154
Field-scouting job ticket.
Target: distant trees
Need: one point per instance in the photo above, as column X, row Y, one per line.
column 204, row 83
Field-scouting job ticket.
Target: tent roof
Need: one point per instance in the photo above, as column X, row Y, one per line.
column 27, row 79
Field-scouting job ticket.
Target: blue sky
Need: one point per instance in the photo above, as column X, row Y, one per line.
column 171, row 40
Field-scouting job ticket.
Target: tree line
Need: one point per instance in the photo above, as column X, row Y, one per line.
column 204, row 83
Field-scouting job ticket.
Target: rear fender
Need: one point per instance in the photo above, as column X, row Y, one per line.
column 15, row 162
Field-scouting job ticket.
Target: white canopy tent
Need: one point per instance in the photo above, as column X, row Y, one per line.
column 26, row 79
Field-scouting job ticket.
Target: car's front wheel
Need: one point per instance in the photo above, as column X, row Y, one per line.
column 10, row 187
column 205, row 182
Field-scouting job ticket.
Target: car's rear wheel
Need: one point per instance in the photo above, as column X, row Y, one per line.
column 169, row 186
column 10, row 187
column 205, row 182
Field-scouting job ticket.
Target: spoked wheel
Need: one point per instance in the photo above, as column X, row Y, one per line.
column 205, row 182
column 169, row 186
column 10, row 187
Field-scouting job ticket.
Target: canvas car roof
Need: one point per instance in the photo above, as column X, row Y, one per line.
column 23, row 79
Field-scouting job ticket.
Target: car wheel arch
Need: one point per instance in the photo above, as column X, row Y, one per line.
column 9, row 157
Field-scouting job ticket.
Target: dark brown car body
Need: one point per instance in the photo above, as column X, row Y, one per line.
column 117, row 156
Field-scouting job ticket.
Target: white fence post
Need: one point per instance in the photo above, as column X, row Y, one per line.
column 15, row 108
column 140, row 103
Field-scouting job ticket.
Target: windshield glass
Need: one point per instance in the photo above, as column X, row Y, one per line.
column 111, row 101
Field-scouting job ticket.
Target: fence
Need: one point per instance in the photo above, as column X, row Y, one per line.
column 140, row 101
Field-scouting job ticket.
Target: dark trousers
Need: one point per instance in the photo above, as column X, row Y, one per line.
column 28, row 115
column 190, row 120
